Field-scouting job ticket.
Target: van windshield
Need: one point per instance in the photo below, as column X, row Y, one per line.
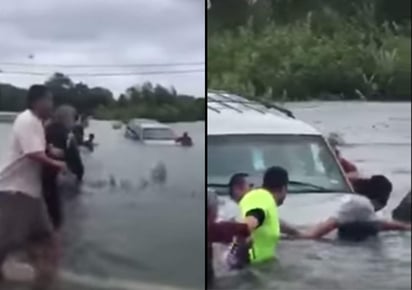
column 158, row 134
column 312, row 167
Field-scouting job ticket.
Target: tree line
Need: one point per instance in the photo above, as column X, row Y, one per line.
column 311, row 49
column 140, row 101
column 230, row 14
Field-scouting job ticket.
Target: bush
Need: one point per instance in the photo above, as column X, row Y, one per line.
column 322, row 56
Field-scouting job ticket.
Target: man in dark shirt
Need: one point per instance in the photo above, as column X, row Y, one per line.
column 89, row 143
column 60, row 146
column 185, row 140
column 78, row 130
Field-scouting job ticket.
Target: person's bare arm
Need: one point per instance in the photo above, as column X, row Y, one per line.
column 288, row 229
column 251, row 222
column 393, row 226
column 321, row 230
column 353, row 175
column 42, row 158
column 55, row 152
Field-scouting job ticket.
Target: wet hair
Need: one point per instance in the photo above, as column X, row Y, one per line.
column 36, row 93
column 377, row 188
column 275, row 178
column 236, row 180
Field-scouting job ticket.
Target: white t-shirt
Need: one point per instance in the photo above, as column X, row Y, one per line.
column 229, row 211
column 18, row 173
column 355, row 208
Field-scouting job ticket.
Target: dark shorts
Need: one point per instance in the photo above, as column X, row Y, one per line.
column 52, row 198
column 54, row 208
column 23, row 220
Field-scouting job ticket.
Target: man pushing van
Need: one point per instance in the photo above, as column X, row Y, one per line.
column 24, row 222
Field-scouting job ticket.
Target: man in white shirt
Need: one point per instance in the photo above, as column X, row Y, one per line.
column 232, row 256
column 357, row 219
column 24, row 222
column 238, row 186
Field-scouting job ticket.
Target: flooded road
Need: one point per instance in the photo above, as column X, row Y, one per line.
column 135, row 236
column 124, row 232
column 378, row 140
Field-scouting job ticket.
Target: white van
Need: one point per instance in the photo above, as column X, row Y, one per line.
column 150, row 132
column 244, row 136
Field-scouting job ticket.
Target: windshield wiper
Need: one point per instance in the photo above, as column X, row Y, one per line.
column 219, row 188
column 315, row 188
column 218, row 185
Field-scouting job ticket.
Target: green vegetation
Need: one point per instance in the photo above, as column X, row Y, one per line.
column 287, row 50
column 154, row 102
column 146, row 101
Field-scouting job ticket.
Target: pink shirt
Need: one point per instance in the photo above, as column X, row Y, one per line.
column 18, row 173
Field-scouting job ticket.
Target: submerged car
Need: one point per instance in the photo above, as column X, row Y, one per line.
column 150, row 132
column 245, row 136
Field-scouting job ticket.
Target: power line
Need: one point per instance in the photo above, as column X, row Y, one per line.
column 199, row 63
column 114, row 74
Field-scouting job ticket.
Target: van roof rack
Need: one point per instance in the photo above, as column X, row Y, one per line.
column 238, row 103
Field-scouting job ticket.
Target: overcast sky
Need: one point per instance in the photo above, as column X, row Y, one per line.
column 90, row 32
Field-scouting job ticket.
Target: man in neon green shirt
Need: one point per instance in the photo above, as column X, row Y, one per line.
column 260, row 210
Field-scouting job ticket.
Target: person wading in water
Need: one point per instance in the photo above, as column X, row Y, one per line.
column 356, row 219
column 219, row 232
column 348, row 167
column 78, row 129
column 260, row 211
column 61, row 145
column 24, row 222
